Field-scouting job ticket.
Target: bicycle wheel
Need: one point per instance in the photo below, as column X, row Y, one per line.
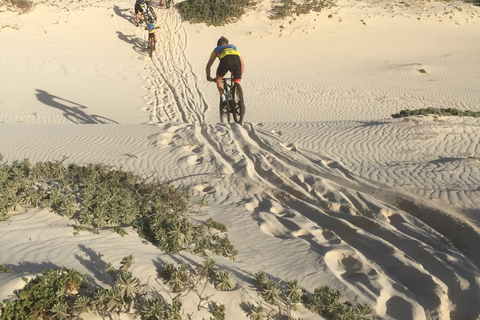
column 238, row 109
column 224, row 114
column 152, row 13
column 151, row 46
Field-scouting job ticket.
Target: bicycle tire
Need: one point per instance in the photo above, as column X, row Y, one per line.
column 223, row 114
column 238, row 108
column 151, row 46
column 152, row 13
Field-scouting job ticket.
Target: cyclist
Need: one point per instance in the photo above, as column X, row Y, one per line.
column 230, row 59
column 151, row 32
column 139, row 8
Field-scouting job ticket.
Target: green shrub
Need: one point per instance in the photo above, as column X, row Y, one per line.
column 46, row 296
column 289, row 8
column 437, row 111
column 213, row 12
column 325, row 301
column 99, row 197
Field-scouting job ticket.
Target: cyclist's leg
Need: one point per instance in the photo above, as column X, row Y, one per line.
column 236, row 68
column 221, row 71
column 136, row 12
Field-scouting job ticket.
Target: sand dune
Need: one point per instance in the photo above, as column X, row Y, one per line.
column 320, row 184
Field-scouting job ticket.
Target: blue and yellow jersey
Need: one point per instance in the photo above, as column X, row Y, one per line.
column 151, row 27
column 222, row 51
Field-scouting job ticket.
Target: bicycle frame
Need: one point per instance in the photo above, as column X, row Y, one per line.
column 234, row 95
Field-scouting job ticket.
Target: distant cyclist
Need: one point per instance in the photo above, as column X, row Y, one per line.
column 151, row 31
column 230, row 59
column 139, row 8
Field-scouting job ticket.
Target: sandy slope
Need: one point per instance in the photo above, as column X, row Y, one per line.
column 319, row 185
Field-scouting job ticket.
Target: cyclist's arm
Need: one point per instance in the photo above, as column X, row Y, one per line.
column 209, row 66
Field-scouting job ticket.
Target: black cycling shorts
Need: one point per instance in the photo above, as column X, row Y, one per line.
column 138, row 8
column 230, row 62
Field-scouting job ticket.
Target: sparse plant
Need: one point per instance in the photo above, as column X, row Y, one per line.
column 153, row 309
column 224, row 281
column 257, row 313
column 218, row 312
column 5, row 269
column 128, row 286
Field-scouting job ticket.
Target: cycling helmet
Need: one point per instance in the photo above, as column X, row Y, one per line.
column 221, row 41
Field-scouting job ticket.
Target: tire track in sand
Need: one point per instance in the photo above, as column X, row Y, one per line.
column 174, row 91
column 370, row 237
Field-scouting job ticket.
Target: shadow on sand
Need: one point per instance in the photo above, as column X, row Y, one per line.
column 138, row 44
column 71, row 110
column 130, row 17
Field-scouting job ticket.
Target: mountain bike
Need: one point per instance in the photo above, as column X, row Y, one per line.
column 150, row 15
column 235, row 103
column 151, row 46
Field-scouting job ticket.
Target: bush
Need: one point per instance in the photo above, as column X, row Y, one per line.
column 289, row 8
column 213, row 12
column 46, row 296
column 437, row 111
column 99, row 197
column 22, row 6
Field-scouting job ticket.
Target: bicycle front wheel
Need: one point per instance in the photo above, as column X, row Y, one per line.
column 150, row 15
column 238, row 109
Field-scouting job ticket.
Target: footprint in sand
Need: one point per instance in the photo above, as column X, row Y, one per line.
column 269, row 229
column 346, row 266
column 301, row 233
column 251, row 205
column 194, row 149
column 331, row 237
column 205, row 188
column 277, row 132
column 166, row 138
column 194, row 160
column 289, row 146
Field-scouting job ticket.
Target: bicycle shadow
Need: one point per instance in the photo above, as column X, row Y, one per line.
column 138, row 44
column 121, row 13
column 73, row 111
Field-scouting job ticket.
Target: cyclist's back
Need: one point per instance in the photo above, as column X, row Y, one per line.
column 230, row 60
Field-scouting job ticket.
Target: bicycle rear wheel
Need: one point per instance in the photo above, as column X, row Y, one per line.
column 224, row 114
column 151, row 46
column 238, row 108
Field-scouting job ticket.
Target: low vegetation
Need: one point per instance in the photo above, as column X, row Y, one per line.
column 213, row 12
column 437, row 112
column 101, row 198
column 288, row 8
column 61, row 294
column 21, row 6
column 287, row 296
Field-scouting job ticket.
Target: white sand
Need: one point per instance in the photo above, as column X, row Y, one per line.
column 320, row 184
